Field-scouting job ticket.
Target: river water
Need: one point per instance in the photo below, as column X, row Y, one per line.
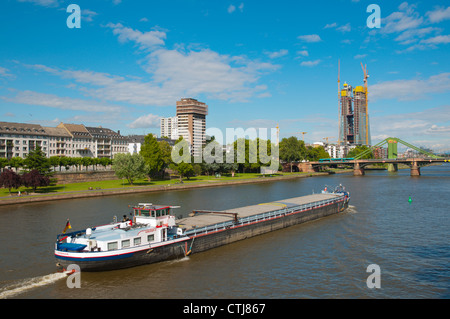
column 328, row 258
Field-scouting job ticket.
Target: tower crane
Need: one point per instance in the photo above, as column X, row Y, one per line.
column 303, row 135
column 326, row 138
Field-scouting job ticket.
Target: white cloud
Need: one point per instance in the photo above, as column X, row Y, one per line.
column 437, row 40
column 208, row 72
column 146, row 121
column 64, row 103
column 410, row 36
column 88, row 15
column 414, row 89
column 438, row 15
column 44, row 3
column 146, row 40
column 412, row 30
column 310, row 63
column 303, row 53
column 310, row 38
column 277, row 54
column 399, row 21
column 4, row 72
column 232, row 8
column 344, row 28
column 330, row 25
column 360, row 56
column 429, row 127
column 438, row 129
column 174, row 74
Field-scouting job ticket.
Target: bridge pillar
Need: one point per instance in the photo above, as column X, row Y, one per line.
column 415, row 169
column 307, row 167
column 358, row 170
column 392, row 167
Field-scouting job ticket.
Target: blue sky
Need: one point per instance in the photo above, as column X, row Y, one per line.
column 255, row 63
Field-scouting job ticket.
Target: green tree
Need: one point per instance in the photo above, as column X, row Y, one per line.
column 183, row 169
column 36, row 160
column 316, row 153
column 64, row 161
column 245, row 154
column 15, row 162
column 55, row 161
column 104, row 161
column 129, row 166
column 86, row 161
column 151, row 152
column 166, row 155
column 292, row 150
column 3, row 163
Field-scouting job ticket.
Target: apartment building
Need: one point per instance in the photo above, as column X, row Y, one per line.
column 106, row 142
column 72, row 140
column 18, row 139
column 59, row 142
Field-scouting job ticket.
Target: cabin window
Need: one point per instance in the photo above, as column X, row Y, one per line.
column 150, row 238
column 153, row 213
column 125, row 243
column 112, row 246
column 137, row 241
column 145, row 213
column 158, row 213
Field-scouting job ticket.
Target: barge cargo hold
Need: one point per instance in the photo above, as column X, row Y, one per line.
column 154, row 235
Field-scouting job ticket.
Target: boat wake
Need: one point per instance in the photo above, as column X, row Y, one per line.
column 28, row 284
column 351, row 209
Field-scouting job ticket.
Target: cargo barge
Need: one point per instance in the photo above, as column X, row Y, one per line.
column 152, row 234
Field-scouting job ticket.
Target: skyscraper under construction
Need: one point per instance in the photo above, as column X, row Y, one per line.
column 354, row 126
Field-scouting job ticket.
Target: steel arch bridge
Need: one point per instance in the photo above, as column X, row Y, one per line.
column 392, row 159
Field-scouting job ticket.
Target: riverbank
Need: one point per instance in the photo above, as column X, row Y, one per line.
column 95, row 192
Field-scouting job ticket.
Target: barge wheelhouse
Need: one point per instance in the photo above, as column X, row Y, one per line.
column 121, row 244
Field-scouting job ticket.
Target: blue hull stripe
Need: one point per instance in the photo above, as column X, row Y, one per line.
column 123, row 256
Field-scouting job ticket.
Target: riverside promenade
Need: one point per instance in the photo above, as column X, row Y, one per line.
column 32, row 198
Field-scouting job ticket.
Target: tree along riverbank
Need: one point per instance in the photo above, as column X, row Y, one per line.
column 20, row 198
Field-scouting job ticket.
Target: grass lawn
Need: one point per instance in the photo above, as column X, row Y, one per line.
column 120, row 184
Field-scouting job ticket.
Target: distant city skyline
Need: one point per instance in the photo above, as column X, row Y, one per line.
column 254, row 63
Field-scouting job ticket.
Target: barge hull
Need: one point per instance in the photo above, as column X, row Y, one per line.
column 199, row 241
column 240, row 232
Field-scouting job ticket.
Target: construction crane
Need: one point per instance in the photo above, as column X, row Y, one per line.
column 326, row 138
column 366, row 75
column 303, row 135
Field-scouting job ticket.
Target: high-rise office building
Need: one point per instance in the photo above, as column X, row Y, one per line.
column 354, row 128
column 354, row 121
column 191, row 117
